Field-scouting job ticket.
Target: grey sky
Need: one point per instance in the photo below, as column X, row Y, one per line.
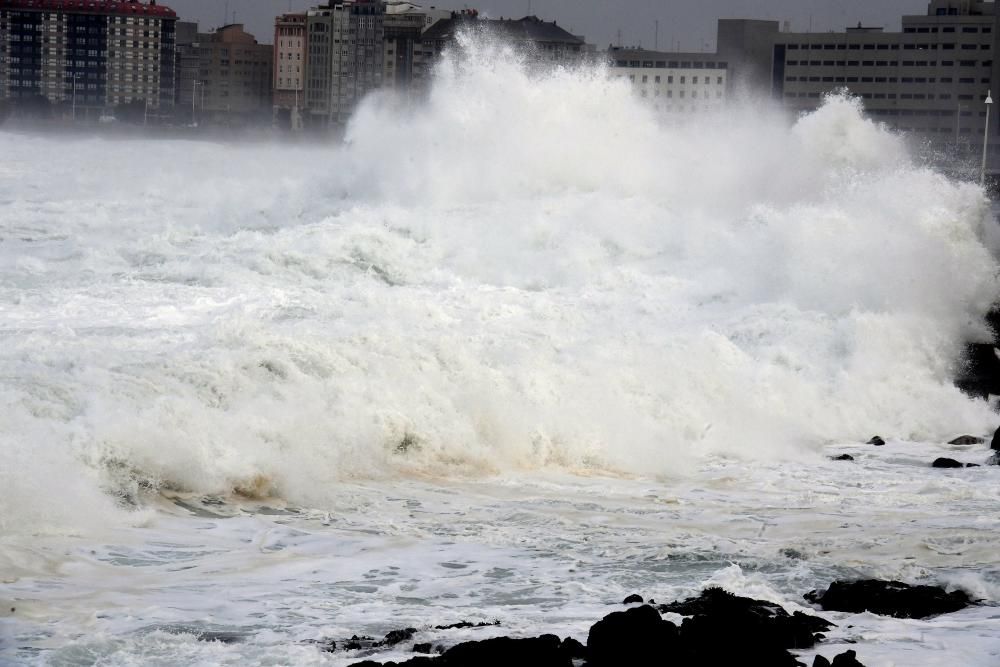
column 687, row 24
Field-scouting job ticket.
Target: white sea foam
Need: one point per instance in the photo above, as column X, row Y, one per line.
column 530, row 270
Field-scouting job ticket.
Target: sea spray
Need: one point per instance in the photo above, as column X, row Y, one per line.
column 532, row 269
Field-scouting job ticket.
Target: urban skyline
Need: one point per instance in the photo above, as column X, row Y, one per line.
column 683, row 24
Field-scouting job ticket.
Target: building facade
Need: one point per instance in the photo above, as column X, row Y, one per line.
column 544, row 41
column 89, row 55
column 345, row 58
column 673, row 83
column 931, row 79
column 234, row 76
column 291, row 51
column 408, row 61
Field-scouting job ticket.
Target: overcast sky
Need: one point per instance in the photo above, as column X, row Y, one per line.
column 684, row 24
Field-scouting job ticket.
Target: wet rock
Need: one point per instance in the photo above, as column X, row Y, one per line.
column 422, row 648
column 396, row 636
column 573, row 649
column 544, row 651
column 877, row 441
column 632, row 599
column 946, row 463
column 465, row 624
column 846, row 659
column 842, row 457
column 889, row 598
column 412, row 662
column 633, row 636
column 966, row 440
column 356, row 642
column 756, row 632
column 981, row 373
column 995, row 443
column 972, row 465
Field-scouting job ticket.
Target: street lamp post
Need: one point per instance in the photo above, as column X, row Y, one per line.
column 986, row 138
column 76, row 75
column 958, row 124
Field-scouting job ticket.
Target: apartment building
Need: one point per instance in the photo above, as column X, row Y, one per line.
column 345, row 58
column 234, row 76
column 187, row 66
column 290, row 60
column 545, row 41
column 673, row 83
column 930, row 80
column 87, row 55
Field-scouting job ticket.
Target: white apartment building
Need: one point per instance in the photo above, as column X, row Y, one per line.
column 675, row 83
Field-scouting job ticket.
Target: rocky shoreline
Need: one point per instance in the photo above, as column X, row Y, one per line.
column 718, row 628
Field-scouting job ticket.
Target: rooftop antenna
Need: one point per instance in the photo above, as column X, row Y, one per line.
column 225, row 17
column 619, row 36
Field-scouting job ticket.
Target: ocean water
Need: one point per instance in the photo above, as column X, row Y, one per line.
column 511, row 355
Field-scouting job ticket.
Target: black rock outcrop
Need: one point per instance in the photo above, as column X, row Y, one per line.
column 889, row 598
column 845, row 659
column 946, row 463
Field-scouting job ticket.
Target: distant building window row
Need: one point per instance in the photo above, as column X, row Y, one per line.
column 930, row 46
column 672, row 64
column 887, row 63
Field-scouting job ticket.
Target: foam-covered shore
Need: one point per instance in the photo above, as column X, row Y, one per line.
column 525, row 323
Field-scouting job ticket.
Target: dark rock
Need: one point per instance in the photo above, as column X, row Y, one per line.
column 972, row 465
column 397, row 636
column 877, row 441
column 995, row 443
column 756, row 632
column 966, row 440
column 221, row 636
column 573, row 649
column 356, row 642
column 843, row 457
column 946, row 463
column 422, row 648
column 634, row 636
column 542, row 651
column 889, row 598
column 980, row 376
column 412, row 662
column 632, row 599
column 846, row 659
column 465, row 624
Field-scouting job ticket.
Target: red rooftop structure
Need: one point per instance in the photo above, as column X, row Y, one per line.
column 116, row 7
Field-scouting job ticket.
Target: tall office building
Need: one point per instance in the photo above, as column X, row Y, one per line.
column 345, row 58
column 92, row 55
column 931, row 79
column 234, row 76
column 291, row 57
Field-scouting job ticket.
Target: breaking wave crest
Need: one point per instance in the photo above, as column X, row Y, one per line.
column 530, row 269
